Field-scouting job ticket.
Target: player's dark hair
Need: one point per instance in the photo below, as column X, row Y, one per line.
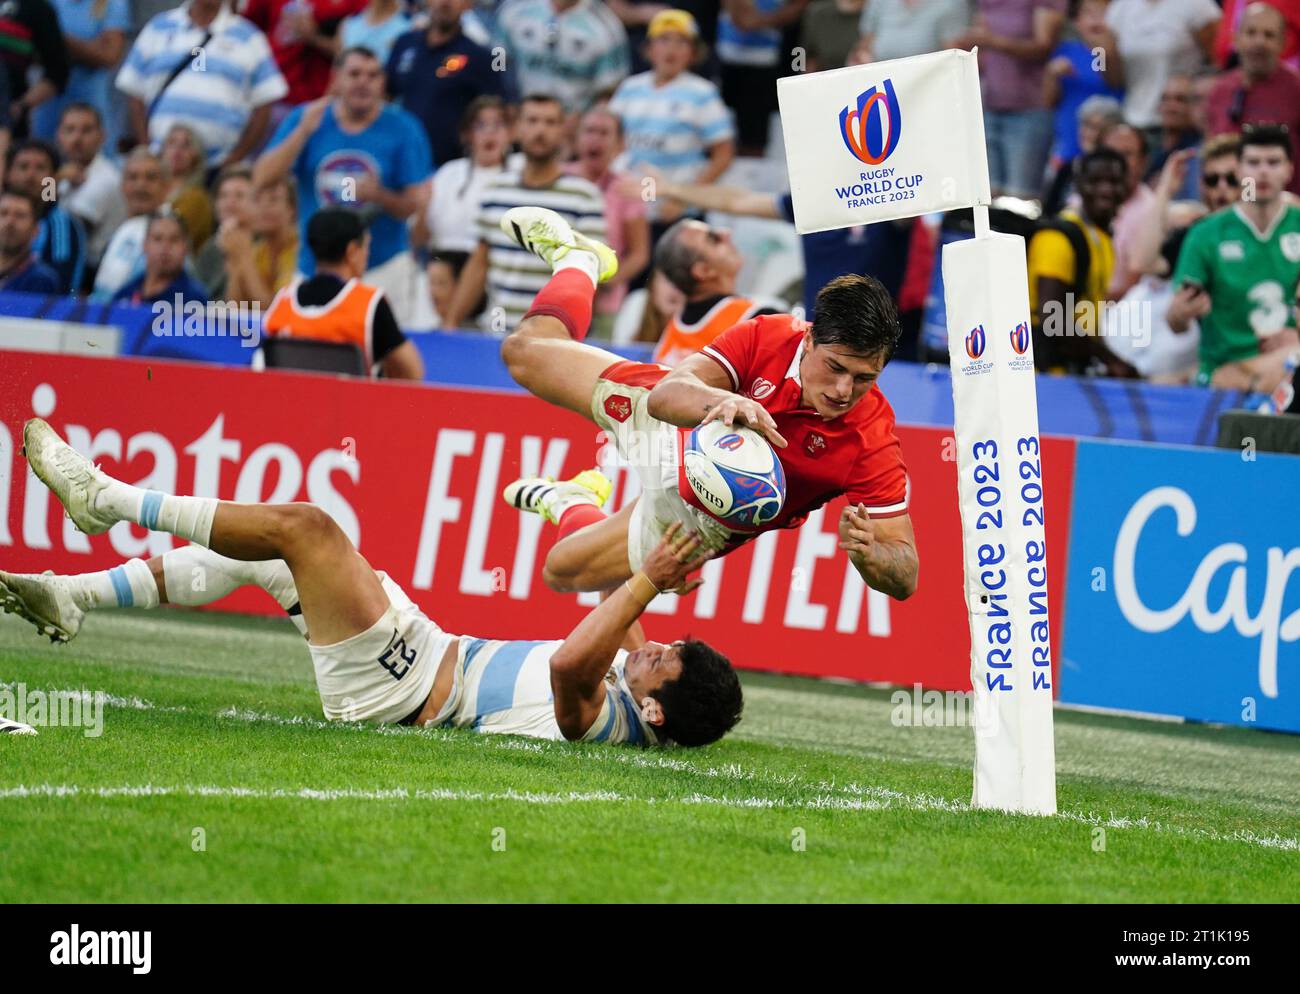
column 1268, row 136
column 857, row 313
column 330, row 231
column 704, row 703
column 675, row 260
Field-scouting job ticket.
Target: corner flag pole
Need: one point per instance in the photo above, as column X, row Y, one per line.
column 1000, row 487
column 898, row 139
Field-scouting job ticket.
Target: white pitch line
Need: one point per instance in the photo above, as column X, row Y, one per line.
column 830, row 796
column 870, row 800
column 306, row 793
column 23, row 791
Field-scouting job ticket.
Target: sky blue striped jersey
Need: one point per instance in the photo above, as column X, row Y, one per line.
column 505, row 688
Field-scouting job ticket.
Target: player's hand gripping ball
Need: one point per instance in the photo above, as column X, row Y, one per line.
column 736, row 475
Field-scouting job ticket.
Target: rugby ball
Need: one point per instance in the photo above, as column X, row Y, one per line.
column 735, row 474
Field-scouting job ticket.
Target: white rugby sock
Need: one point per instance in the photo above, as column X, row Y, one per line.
column 128, row 585
column 196, row 576
column 583, row 261
column 185, row 517
column 563, row 497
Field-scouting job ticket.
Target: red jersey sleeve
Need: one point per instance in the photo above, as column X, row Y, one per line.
column 735, row 350
column 879, row 477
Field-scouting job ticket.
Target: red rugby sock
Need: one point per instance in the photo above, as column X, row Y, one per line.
column 577, row 517
column 567, row 297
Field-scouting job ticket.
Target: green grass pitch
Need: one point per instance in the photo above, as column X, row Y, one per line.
column 213, row 724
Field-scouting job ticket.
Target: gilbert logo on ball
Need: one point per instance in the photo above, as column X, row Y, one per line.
column 734, row 474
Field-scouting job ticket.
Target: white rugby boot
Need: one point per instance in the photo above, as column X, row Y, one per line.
column 73, row 478
column 551, row 498
column 549, row 237
column 45, row 600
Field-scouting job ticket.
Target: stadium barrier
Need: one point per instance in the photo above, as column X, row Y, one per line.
column 920, row 393
column 1174, row 605
column 59, row 323
column 413, row 474
column 1084, row 407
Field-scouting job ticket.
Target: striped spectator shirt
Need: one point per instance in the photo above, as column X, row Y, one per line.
column 572, row 55
column 514, row 274
column 671, row 127
column 216, row 92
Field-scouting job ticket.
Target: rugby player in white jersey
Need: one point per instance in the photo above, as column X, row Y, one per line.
column 376, row 655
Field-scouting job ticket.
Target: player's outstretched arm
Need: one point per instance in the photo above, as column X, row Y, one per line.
column 729, row 199
column 579, row 666
column 698, row 391
column 883, row 550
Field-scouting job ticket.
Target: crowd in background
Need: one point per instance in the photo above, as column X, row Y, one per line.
column 1143, row 147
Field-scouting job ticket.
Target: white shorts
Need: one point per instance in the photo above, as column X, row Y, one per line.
column 620, row 405
column 386, row 672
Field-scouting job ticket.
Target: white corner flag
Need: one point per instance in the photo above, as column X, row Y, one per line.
column 884, row 141
column 896, row 139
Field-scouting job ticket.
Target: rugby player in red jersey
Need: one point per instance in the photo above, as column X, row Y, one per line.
column 810, row 390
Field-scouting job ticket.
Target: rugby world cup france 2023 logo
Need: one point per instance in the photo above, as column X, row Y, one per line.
column 1020, row 342
column 871, row 130
column 976, row 342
